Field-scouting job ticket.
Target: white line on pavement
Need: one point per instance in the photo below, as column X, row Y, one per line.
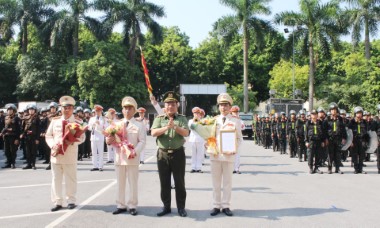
column 39, row 185
column 86, row 202
column 28, row 215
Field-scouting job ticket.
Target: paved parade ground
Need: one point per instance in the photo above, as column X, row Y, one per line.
column 272, row 191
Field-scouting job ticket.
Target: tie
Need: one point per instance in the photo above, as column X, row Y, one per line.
column 224, row 119
column 126, row 124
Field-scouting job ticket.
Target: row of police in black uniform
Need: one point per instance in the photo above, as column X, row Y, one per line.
column 26, row 130
column 317, row 137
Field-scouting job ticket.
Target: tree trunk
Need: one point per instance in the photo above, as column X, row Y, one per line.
column 311, row 73
column 24, row 37
column 245, row 63
column 76, row 37
column 366, row 41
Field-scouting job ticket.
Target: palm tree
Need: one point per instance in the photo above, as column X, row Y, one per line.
column 133, row 14
column 244, row 20
column 64, row 24
column 22, row 13
column 364, row 14
column 319, row 26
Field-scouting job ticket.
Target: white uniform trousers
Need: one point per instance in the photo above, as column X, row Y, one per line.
column 221, row 171
column 237, row 162
column 197, row 157
column 70, row 173
column 97, row 150
column 111, row 153
column 124, row 172
column 142, row 154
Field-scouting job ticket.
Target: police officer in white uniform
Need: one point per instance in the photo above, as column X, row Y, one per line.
column 63, row 164
column 197, row 144
column 97, row 124
column 222, row 165
column 128, row 168
column 111, row 120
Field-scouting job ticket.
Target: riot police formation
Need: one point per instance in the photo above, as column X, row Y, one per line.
column 336, row 136
column 30, row 133
column 291, row 134
column 300, row 133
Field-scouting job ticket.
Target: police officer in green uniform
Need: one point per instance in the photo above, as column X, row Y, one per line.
column 170, row 130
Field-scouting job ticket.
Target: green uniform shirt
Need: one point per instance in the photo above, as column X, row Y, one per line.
column 170, row 139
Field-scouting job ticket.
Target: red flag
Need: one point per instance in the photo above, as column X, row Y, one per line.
column 146, row 73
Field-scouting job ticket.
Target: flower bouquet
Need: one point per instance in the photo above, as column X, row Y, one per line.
column 117, row 137
column 206, row 128
column 71, row 132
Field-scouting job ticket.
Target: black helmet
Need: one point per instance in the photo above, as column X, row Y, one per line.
column 53, row 104
column 358, row 109
column 333, row 105
column 320, row 109
column 11, row 106
column 31, row 106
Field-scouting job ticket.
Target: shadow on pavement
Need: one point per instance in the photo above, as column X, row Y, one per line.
column 294, row 173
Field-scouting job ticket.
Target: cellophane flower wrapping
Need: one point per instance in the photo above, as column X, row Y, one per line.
column 118, row 135
column 206, row 128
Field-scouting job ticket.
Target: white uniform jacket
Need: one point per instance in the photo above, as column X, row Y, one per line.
column 53, row 137
column 231, row 123
column 97, row 129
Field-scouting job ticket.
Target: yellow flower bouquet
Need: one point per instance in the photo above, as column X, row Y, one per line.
column 206, row 128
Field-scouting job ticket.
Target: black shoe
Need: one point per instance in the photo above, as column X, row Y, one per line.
column 338, row 171
column 234, row 171
column 56, row 208
column 34, row 167
column 71, row 206
column 215, row 211
column 199, row 171
column 94, row 169
column 6, row 166
column 227, row 211
column 164, row 212
column 27, row 167
column 13, row 166
column 133, row 211
column 356, row 172
column 109, row 162
column 182, row 212
column 318, row 171
column 311, row 171
column 45, row 162
column 142, row 162
column 119, row 211
column 48, row 168
column 193, row 171
column 101, row 170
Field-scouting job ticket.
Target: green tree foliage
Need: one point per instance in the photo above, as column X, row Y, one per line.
column 282, row 78
column 107, row 77
column 237, row 95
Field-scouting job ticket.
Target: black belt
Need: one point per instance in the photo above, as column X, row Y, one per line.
column 170, row 151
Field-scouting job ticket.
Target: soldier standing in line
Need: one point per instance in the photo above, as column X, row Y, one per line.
column 314, row 141
column 281, row 126
column 170, row 130
column 360, row 139
column 197, row 143
column 343, row 114
column 257, row 128
column 63, row 165
column 291, row 134
column 2, row 125
column 97, row 125
column 336, row 138
column 223, row 164
column 31, row 133
column 11, row 135
column 87, row 142
column 146, row 124
column 322, row 117
column 266, row 132
column 300, row 133
column 274, row 133
column 127, row 168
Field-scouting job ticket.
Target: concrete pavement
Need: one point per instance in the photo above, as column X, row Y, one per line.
column 272, row 191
